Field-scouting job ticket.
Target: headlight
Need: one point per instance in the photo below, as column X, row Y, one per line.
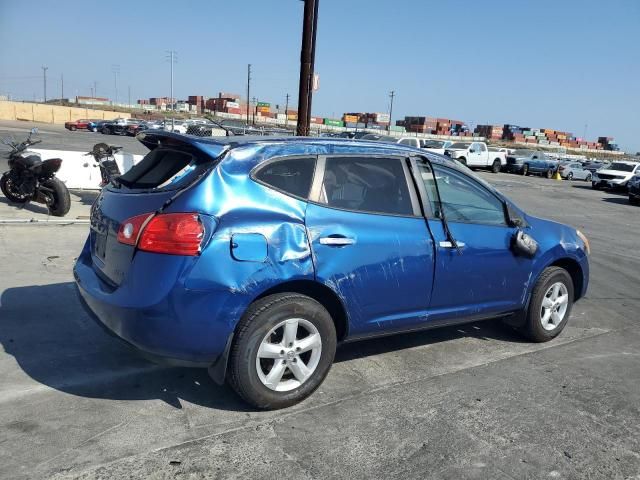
column 585, row 240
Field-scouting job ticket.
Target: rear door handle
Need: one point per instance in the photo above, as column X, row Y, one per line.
column 450, row 245
column 337, row 241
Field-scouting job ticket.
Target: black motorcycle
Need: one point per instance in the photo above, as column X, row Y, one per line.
column 31, row 179
column 104, row 156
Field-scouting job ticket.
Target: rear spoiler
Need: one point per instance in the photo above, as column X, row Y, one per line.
column 153, row 139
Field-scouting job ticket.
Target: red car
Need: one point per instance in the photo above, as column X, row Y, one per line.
column 78, row 124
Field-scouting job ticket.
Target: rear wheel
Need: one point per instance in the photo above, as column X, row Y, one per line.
column 106, row 131
column 59, row 195
column 495, row 168
column 595, row 186
column 9, row 190
column 588, row 179
column 73, row 128
column 633, row 200
column 282, row 351
column 462, row 160
column 550, row 305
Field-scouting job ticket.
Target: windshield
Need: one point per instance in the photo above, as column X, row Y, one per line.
column 522, row 153
column 433, row 144
column 459, row 145
column 622, row 167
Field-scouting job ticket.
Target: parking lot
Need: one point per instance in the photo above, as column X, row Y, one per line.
column 475, row 401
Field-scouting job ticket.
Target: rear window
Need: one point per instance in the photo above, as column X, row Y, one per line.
column 291, row 175
column 162, row 168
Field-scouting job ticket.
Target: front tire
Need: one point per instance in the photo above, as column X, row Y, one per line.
column 495, row 168
column 61, row 200
column 588, row 179
column 550, row 306
column 462, row 160
column 7, row 187
column 549, row 173
column 525, row 170
column 283, row 349
column 570, row 176
column 633, row 200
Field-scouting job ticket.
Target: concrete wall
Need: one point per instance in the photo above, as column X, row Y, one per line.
column 37, row 112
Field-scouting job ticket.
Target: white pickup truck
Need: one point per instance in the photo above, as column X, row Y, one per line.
column 477, row 155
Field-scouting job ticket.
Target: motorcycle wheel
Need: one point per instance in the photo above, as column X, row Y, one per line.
column 61, row 203
column 7, row 187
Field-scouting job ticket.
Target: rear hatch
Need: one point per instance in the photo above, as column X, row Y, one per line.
column 148, row 187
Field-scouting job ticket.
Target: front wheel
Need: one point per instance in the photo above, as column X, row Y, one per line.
column 495, row 168
column 550, row 305
column 10, row 190
column 282, row 351
column 462, row 160
column 595, row 186
column 570, row 176
column 60, row 200
column 525, row 170
column 588, row 179
column 549, row 173
column 633, row 200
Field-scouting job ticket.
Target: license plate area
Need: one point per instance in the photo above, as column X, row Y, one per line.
column 99, row 245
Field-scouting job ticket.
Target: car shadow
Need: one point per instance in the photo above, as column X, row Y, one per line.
column 611, row 191
column 30, row 206
column 56, row 343
column 618, row 200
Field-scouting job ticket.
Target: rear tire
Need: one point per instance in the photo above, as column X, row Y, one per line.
column 595, row 186
column 73, row 128
column 106, row 131
column 633, row 200
column 462, row 160
column 61, row 198
column 6, row 187
column 547, row 316
column 588, row 179
column 263, row 324
column 495, row 168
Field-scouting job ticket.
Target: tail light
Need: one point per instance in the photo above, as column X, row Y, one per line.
column 170, row 233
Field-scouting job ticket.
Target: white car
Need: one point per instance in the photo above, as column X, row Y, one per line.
column 477, row 154
column 616, row 175
column 436, row 146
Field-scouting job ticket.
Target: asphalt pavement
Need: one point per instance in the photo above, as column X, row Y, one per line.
column 473, row 401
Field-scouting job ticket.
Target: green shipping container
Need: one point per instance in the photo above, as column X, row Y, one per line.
column 333, row 123
column 395, row 128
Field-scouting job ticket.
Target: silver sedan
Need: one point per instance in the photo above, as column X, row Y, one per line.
column 574, row 170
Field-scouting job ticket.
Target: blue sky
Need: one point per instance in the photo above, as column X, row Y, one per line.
column 550, row 64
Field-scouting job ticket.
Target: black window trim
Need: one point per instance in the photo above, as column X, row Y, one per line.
column 426, row 204
column 255, row 170
column 316, row 186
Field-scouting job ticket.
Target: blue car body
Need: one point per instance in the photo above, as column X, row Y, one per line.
column 258, row 240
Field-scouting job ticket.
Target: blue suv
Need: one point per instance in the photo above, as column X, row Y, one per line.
column 255, row 257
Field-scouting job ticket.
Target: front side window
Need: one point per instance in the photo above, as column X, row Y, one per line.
column 463, row 199
column 372, row 185
column 293, row 175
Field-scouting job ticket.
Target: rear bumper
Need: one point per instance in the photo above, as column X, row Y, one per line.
column 171, row 323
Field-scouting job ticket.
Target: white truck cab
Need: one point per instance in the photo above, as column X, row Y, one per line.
column 477, row 154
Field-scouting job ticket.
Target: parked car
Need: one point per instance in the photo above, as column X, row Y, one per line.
column 436, row 146
column 530, row 161
column 615, row 176
column 476, row 154
column 96, row 125
column 254, row 257
column 634, row 190
column 81, row 124
column 379, row 138
column 134, row 129
column 119, row 126
column 571, row 170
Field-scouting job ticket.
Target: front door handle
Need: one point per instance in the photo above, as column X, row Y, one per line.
column 450, row 245
column 337, row 241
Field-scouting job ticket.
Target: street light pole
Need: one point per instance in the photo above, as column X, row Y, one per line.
column 307, row 59
column 248, row 90
column 391, row 95
column 286, row 110
column 172, row 59
column 116, row 70
column 44, row 76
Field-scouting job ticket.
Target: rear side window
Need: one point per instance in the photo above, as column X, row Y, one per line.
column 373, row 185
column 292, row 175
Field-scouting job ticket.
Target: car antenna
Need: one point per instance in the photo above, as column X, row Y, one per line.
column 445, row 224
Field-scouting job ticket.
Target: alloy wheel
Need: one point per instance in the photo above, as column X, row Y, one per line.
column 288, row 355
column 554, row 306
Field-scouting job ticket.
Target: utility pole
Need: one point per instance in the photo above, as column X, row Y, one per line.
column 286, row 110
column 61, row 87
column 95, row 88
column 392, row 94
column 116, row 71
column 248, row 90
column 307, row 59
column 129, row 91
column 44, row 76
column 172, row 59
